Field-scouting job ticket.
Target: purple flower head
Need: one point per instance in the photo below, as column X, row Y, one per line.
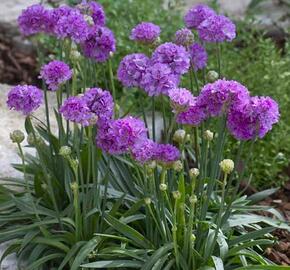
column 174, row 56
column 33, row 20
column 24, row 98
column 118, row 136
column 100, row 102
column 100, row 42
column 69, row 23
column 145, row 32
column 144, row 150
column 55, row 73
column 180, row 99
column 254, row 120
column 132, row 69
column 158, row 79
column 166, row 153
column 218, row 97
column 197, row 14
column 194, row 115
column 97, row 12
column 75, row 109
column 217, row 28
column 184, row 37
column 198, row 56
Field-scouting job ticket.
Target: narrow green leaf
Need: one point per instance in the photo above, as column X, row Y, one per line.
column 113, row 264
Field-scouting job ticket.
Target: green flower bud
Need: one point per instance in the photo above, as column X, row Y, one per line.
column 17, row 136
column 227, row 166
column 192, row 238
column 212, row 76
column 147, row 200
column 177, row 166
column 193, row 199
column 65, row 151
column 179, row 136
column 193, row 173
column 74, row 186
column 176, row 195
column 208, row 135
column 163, row 187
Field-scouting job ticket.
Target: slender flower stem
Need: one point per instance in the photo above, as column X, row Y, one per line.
column 219, row 61
column 112, row 78
column 153, row 119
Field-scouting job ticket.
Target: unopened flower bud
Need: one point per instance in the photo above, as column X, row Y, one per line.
column 17, row 136
column 177, row 166
column 212, row 76
column 34, row 139
column 227, row 166
column 192, row 238
column 65, row 151
column 163, row 187
column 93, row 120
column 208, row 135
column 147, row 200
column 179, row 136
column 193, row 199
column 74, row 186
column 44, row 186
column 176, row 195
column 194, row 172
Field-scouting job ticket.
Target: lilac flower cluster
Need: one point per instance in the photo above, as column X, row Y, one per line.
column 211, row 27
column 24, row 98
column 55, row 73
column 132, row 68
column 184, row 37
column 99, row 43
column 145, row 32
column 180, row 99
column 97, row 12
column 198, row 56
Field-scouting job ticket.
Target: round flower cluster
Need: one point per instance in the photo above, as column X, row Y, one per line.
column 166, row 153
column 132, row 68
column 175, row 56
column 24, row 98
column 100, row 103
column 180, row 99
column 198, row 56
column 99, row 43
column 211, row 27
column 145, row 32
column 144, row 151
column 184, row 37
column 55, row 73
column 194, row 115
column 97, row 12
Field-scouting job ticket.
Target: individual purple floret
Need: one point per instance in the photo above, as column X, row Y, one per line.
column 145, row 32
column 198, row 56
column 100, row 102
column 197, row 14
column 33, row 20
column 184, row 37
column 193, row 116
column 118, row 136
column 69, row 23
column 75, row 109
column 218, row 97
column 175, row 56
column 166, row 153
column 180, row 99
column 253, row 120
column 158, row 79
column 144, row 150
column 24, row 98
column 217, row 28
column 132, row 69
column 55, row 73
column 100, row 42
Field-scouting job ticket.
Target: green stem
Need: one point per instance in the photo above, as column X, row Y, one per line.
column 153, row 119
column 112, row 78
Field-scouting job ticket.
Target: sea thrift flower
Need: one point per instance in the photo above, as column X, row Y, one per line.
column 222, row 95
column 33, row 20
column 144, row 150
column 227, row 166
column 167, row 153
column 97, row 12
column 55, row 73
column 197, row 14
column 175, row 56
column 17, row 136
column 194, row 115
column 180, row 99
column 217, row 28
column 24, row 98
column 158, row 79
column 145, row 32
column 179, row 136
column 253, row 120
column 69, row 23
column 118, row 136
column 75, row 109
column 198, row 56
column 184, row 37
column 132, row 69
column 100, row 42
column 100, row 102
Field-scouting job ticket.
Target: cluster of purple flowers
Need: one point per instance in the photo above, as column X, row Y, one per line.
column 145, row 32
column 55, row 73
column 211, row 27
column 97, row 41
